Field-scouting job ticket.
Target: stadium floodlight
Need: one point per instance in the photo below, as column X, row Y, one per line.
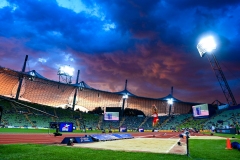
column 170, row 101
column 125, row 96
column 33, row 75
column 205, row 45
column 66, row 70
column 66, row 73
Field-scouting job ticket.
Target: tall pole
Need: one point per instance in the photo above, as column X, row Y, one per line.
column 123, row 106
column 222, row 80
column 170, row 107
column 207, row 45
column 125, row 88
column 21, row 78
column 187, row 142
column 126, row 84
column 75, row 94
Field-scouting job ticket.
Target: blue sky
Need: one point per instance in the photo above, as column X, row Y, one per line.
column 150, row 43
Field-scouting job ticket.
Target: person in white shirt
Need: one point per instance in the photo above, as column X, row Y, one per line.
column 213, row 128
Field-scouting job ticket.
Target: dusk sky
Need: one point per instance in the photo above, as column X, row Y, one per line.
column 152, row 43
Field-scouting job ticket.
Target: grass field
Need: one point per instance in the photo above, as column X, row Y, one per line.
column 198, row 149
column 224, row 135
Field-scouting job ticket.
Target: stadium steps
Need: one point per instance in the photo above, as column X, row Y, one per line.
column 3, row 121
column 78, row 124
column 55, row 113
column 100, row 121
column 28, row 119
column 185, row 122
column 145, row 120
column 162, row 124
column 193, row 123
column 13, row 106
column 122, row 121
column 28, row 110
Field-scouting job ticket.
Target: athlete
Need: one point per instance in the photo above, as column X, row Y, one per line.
column 155, row 116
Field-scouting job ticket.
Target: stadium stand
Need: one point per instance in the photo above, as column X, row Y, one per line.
column 174, row 121
column 41, row 90
column 133, row 123
column 228, row 117
column 197, row 124
column 40, row 96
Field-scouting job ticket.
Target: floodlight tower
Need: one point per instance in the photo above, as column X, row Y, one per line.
column 65, row 74
column 207, row 45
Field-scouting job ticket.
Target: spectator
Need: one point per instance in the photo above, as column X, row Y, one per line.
column 227, row 126
column 213, row 128
column 237, row 129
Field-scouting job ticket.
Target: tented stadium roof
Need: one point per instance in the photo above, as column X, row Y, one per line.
column 126, row 92
column 83, row 84
column 33, row 73
column 41, row 90
column 170, row 97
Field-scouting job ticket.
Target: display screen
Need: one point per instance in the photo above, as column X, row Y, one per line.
column 200, row 111
column 66, row 127
column 111, row 116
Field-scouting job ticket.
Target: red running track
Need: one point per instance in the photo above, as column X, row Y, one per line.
column 10, row 138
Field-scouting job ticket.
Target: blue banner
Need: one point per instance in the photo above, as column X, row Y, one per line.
column 123, row 129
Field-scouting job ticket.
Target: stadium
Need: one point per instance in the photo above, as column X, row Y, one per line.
column 146, row 90
column 34, row 107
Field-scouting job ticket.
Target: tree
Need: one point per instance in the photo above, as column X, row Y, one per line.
column 97, row 110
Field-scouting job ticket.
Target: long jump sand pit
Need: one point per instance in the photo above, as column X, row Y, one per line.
column 154, row 145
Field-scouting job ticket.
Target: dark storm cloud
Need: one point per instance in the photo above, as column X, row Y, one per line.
column 150, row 43
column 140, row 18
column 46, row 24
column 212, row 4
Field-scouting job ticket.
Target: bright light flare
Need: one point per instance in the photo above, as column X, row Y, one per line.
column 170, row 101
column 66, row 70
column 206, row 44
column 125, row 96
